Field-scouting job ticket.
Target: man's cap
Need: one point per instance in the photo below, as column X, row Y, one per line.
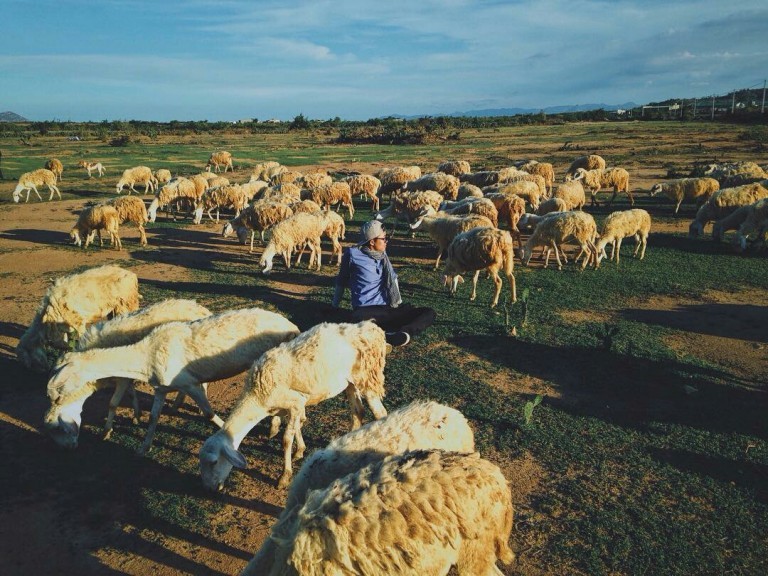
column 370, row 230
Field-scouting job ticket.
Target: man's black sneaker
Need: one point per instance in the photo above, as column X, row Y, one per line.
column 398, row 338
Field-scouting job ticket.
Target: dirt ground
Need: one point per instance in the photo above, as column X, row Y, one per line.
column 36, row 537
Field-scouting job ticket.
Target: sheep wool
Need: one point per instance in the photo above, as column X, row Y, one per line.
column 393, row 179
column 175, row 191
column 543, row 169
column 723, row 202
column 619, row 225
column 589, row 162
column 444, row 184
column 479, row 206
column 454, row 167
column 556, row 228
column 136, row 175
column 216, row 198
column 55, row 166
column 443, row 228
column 29, row 182
column 572, row 193
column 258, row 217
column 365, row 184
column 698, row 189
column 336, row 193
column 93, row 219
column 131, row 209
column 755, row 224
column 292, row 233
column 219, row 159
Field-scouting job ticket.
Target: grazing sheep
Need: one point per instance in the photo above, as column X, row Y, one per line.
column 543, row 169
column 591, row 180
column 258, row 217
column 552, row 205
column 468, row 191
column 173, row 192
column 755, row 224
column 444, row 184
column 292, row 233
column 410, row 514
column 257, row 187
column 286, row 177
column 535, row 178
column 231, row 196
column 127, row 329
column 393, row 179
column 289, row 192
column 590, row 162
column 572, row 193
column 525, row 189
column 91, row 166
column 136, row 175
column 723, row 202
column 176, row 356
column 421, row 425
column 481, row 179
column 443, row 228
column 620, row 225
column 479, row 249
column 93, row 219
column 70, row 304
column 131, row 209
column 31, row 180
column 698, row 189
column 261, row 171
column 479, row 206
column 408, row 206
column 731, row 174
column 316, row 365
column 306, row 206
column 55, row 166
column 365, row 184
column 335, row 229
column 510, row 208
column 337, row 193
column 219, row 159
column 618, row 179
column 454, row 167
column 731, row 222
column 312, row 180
column 162, row 176
column 556, row 228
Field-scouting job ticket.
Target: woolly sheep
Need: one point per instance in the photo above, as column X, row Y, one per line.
column 557, row 228
column 481, row 179
column 443, row 228
column 421, row 425
column 410, row 514
column 312, row 180
column 260, row 171
column 723, row 202
column 291, row 192
column 162, row 176
column 620, row 225
column 510, row 208
column 454, row 167
column 131, row 209
column 590, row 162
column 393, row 179
column 92, row 219
column 307, row 206
column 31, row 180
column 365, row 184
column 444, row 184
column 755, row 223
column 231, row 196
column 286, row 177
column 543, row 169
column 176, row 190
column 525, row 189
column 291, row 234
column 572, row 193
column 552, row 205
column 335, row 229
column 218, row 159
column 698, row 189
column 70, row 304
column 731, row 174
column 258, row 217
column 258, row 187
column 524, row 177
column 731, row 222
column 591, row 180
column 479, row 206
column 176, row 356
column 467, row 190
column 336, row 193
column 55, row 166
column 479, row 249
column 251, row 188
column 136, row 175
column 618, row 179
column 91, row 166
column 318, row 364
column 409, row 206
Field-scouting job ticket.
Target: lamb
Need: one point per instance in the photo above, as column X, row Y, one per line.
column 444, row 184
column 479, row 206
column 590, row 162
column 136, row 175
column 176, row 356
column 92, row 219
column 698, row 189
column 70, row 304
column 556, row 228
column 723, row 202
column 173, row 192
column 316, row 365
column 410, row 514
column 337, row 193
column 231, row 196
column 421, row 425
column 131, row 209
column 31, row 180
column 55, row 166
column 365, row 184
column 162, row 176
column 443, row 228
column 620, row 225
column 259, row 217
column 755, row 223
column 127, row 329
column 454, row 167
column 479, row 249
column 91, row 166
column 572, row 193
column 218, row 159
column 543, row 169
column 292, row 233
column 393, row 179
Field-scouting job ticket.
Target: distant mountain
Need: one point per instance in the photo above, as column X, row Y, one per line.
column 11, row 117
column 519, row 111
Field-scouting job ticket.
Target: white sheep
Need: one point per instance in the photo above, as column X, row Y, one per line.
column 552, row 205
column 93, row 219
column 286, row 177
column 590, row 179
column 479, row 206
column 697, row 189
column 176, row 190
column 261, row 171
column 723, row 202
column 320, row 363
column 29, row 181
column 443, row 228
column 543, row 169
column 481, row 179
column 70, row 304
column 525, row 177
column 525, row 189
column 467, row 190
column 589, row 162
column 335, row 229
column 293, row 233
column 421, row 425
column 327, row 195
column 55, row 166
column 162, row 176
column 258, row 217
column 731, row 222
column 412, row 514
column 308, row 206
column 618, row 179
column 136, row 175
column 231, row 196
column 218, row 159
column 572, row 193
column 454, row 167
column 755, row 224
column 480, row 249
column 558, row 227
column 393, row 179
column 619, row 225
column 131, row 209
column 510, row 208
column 312, row 180
column 731, row 174
column 409, row 206
column 176, row 356
column 91, row 166
column 444, row 184
column 365, row 184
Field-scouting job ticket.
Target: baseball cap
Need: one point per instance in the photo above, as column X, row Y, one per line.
column 370, row 230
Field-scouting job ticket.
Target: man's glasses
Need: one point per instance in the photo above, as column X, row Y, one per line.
column 385, row 238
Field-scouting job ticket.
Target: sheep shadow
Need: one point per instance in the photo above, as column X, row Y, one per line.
column 10, row 330
column 46, row 237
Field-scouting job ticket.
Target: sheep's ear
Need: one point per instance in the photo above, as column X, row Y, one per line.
column 460, row 279
column 235, row 458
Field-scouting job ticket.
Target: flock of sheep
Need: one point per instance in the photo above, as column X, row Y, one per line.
column 406, row 493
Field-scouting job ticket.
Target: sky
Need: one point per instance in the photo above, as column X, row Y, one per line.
column 228, row 60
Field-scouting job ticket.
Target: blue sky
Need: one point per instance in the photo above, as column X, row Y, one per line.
column 357, row 59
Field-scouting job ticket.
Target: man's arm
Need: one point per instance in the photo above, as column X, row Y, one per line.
column 342, row 279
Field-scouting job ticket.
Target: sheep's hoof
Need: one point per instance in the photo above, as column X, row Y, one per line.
column 107, row 434
column 284, row 481
column 135, row 421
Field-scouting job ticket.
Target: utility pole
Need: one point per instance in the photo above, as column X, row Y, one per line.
column 733, row 103
column 695, row 102
column 762, row 108
column 713, row 106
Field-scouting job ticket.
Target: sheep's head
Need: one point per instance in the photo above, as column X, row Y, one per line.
column 452, row 282
column 242, row 234
column 695, row 230
column 17, row 193
column 228, row 229
column 35, row 357
column 655, row 189
column 217, row 458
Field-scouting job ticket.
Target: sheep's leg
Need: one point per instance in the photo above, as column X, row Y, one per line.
column 53, row 189
column 143, row 233
column 154, row 416
column 642, row 241
column 557, row 255
column 587, row 255
column 375, row 404
column 274, row 426
column 356, row 408
column 253, row 237
column 114, row 402
column 631, row 199
column 317, row 249
column 294, row 421
column 36, row 192
column 351, row 210
column 439, row 254
column 612, row 199
column 198, row 394
column 618, row 249
column 497, row 283
column 474, row 285
column 512, row 287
